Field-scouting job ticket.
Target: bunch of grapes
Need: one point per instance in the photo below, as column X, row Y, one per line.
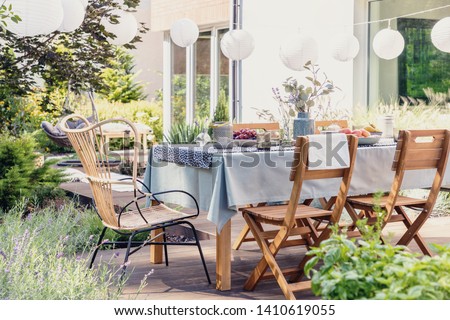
column 245, row 134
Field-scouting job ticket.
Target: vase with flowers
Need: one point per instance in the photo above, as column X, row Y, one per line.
column 299, row 98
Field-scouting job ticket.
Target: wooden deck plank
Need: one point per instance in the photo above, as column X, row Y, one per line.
column 184, row 279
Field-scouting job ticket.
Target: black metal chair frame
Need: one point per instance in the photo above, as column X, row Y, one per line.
column 140, row 244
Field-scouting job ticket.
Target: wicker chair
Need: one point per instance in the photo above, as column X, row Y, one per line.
column 90, row 148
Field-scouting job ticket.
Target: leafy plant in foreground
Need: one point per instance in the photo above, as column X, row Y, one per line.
column 369, row 269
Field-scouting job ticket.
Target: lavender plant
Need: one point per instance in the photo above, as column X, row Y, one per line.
column 40, row 258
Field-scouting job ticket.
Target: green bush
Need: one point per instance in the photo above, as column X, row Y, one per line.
column 19, row 175
column 139, row 111
column 369, row 269
column 40, row 257
column 119, row 80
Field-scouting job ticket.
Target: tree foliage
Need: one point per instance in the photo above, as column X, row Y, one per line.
column 79, row 56
column 120, row 80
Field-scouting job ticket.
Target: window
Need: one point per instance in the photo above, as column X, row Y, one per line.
column 199, row 78
column 422, row 65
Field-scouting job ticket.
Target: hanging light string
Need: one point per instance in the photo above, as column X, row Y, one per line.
column 402, row 16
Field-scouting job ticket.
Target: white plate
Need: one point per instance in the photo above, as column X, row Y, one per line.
column 368, row 140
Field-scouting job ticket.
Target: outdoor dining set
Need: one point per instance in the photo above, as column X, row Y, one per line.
column 299, row 191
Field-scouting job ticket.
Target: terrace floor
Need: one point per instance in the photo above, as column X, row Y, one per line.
column 184, row 279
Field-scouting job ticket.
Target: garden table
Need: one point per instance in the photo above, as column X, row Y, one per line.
column 236, row 179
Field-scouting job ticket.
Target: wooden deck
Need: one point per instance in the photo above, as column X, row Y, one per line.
column 184, row 279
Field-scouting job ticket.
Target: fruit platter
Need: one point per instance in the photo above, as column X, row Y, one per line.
column 244, row 138
column 368, row 135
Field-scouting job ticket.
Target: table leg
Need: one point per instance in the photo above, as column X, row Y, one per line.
column 223, row 258
column 156, row 252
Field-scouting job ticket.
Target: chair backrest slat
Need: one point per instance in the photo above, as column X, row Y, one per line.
column 89, row 144
column 266, row 126
column 423, row 149
column 419, row 149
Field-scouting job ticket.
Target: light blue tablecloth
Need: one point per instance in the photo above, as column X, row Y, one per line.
column 238, row 179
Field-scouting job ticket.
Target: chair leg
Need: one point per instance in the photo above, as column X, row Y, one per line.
column 408, row 236
column 166, row 254
column 267, row 260
column 200, row 251
column 127, row 254
column 240, row 239
column 99, row 243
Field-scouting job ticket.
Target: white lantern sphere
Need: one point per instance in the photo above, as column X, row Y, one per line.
column 184, row 32
column 125, row 30
column 440, row 34
column 344, row 47
column 73, row 15
column 388, row 44
column 298, row 50
column 237, row 44
column 38, row 17
column 85, row 3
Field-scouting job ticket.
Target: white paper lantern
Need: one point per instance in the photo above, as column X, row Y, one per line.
column 297, row 51
column 73, row 15
column 344, row 47
column 388, row 44
column 237, row 44
column 125, row 30
column 184, row 32
column 39, row 17
column 440, row 34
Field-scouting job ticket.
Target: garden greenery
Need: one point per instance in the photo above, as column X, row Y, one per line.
column 120, row 84
column 20, row 176
column 45, row 257
column 369, row 269
column 80, row 56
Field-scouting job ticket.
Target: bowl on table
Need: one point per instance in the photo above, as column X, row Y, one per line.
column 370, row 140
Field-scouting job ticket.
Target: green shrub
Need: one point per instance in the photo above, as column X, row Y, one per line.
column 370, row 269
column 139, row 111
column 19, row 175
column 119, row 79
column 39, row 258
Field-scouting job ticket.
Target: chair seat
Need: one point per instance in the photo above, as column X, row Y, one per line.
column 276, row 214
column 370, row 201
column 155, row 215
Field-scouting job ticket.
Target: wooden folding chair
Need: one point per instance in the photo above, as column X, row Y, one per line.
column 318, row 124
column 416, row 149
column 295, row 221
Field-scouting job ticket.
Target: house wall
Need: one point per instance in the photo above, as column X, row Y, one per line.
column 203, row 12
column 148, row 54
column 270, row 23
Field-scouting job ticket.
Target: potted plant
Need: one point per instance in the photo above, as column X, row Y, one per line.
column 220, row 125
column 299, row 99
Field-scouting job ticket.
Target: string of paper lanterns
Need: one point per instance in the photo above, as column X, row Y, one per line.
column 41, row 17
